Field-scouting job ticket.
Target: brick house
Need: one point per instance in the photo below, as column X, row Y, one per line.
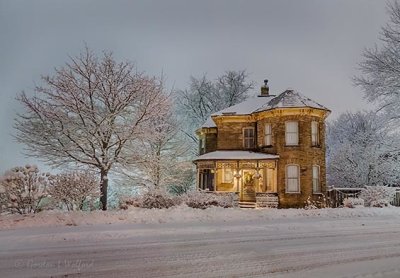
column 269, row 150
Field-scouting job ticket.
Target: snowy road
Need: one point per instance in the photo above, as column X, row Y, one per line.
column 307, row 247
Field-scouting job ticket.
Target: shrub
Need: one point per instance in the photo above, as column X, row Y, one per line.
column 377, row 196
column 157, row 198
column 126, row 202
column 319, row 202
column 353, row 202
column 23, row 189
column 202, row 200
column 75, row 189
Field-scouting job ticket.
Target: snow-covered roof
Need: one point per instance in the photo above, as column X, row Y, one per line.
column 291, row 98
column 209, row 123
column 287, row 99
column 235, row 155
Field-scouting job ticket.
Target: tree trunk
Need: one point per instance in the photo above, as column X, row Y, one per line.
column 103, row 189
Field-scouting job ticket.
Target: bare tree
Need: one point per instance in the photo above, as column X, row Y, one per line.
column 234, row 87
column 90, row 112
column 380, row 68
column 204, row 97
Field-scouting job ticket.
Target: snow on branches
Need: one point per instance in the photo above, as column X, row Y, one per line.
column 23, row 189
column 74, row 189
column 362, row 151
column 380, row 68
column 91, row 112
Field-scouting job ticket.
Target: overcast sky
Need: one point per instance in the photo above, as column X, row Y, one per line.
column 312, row 46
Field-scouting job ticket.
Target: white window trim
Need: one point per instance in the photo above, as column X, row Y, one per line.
column 268, row 135
column 316, row 143
column 286, row 134
column 298, row 179
column 319, row 179
column 244, row 137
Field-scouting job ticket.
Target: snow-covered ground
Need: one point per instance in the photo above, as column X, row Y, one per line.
column 182, row 242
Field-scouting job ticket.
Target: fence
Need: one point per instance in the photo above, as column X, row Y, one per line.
column 337, row 195
column 396, row 199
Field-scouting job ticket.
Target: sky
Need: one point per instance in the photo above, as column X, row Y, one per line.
column 312, row 46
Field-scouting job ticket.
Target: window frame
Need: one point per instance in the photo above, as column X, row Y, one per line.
column 287, row 133
column 315, row 133
column 202, row 144
column 245, row 139
column 268, row 135
column 317, row 179
column 297, row 178
column 224, row 172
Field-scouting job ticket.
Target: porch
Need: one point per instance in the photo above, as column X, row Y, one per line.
column 252, row 176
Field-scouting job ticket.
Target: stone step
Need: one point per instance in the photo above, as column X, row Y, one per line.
column 247, row 205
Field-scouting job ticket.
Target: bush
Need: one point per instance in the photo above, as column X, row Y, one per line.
column 318, row 203
column 353, row 202
column 23, row 189
column 74, row 190
column 126, row 202
column 377, row 196
column 202, row 200
column 157, row 198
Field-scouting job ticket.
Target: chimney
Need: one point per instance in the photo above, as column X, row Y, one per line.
column 265, row 89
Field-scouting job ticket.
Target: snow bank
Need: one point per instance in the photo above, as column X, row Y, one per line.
column 182, row 214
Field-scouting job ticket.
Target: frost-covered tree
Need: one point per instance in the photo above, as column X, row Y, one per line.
column 362, row 151
column 204, row 97
column 163, row 156
column 380, row 67
column 89, row 113
column 22, row 189
column 73, row 189
column 377, row 196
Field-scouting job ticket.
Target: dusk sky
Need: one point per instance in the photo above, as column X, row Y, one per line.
column 311, row 46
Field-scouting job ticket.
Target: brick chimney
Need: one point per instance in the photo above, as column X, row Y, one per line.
column 265, row 89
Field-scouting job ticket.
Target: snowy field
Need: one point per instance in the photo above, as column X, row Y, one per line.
column 183, row 242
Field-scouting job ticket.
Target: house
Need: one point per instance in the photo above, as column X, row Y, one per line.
column 269, row 150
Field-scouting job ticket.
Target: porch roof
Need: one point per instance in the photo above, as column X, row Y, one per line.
column 235, row 155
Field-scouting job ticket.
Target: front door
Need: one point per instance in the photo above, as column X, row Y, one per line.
column 248, row 186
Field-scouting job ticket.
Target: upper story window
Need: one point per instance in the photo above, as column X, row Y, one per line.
column 316, row 181
column 268, row 135
column 292, row 178
column 292, row 133
column 202, row 144
column 314, row 133
column 248, row 137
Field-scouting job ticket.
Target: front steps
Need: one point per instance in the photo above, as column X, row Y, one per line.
column 250, row 205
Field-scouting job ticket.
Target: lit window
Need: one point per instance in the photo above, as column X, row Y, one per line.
column 292, row 133
column 248, row 137
column 316, row 182
column 314, row 133
column 268, row 135
column 292, row 179
column 227, row 176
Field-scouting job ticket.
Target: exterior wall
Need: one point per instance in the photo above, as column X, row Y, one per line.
column 211, row 142
column 210, row 137
column 230, row 135
column 305, row 155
